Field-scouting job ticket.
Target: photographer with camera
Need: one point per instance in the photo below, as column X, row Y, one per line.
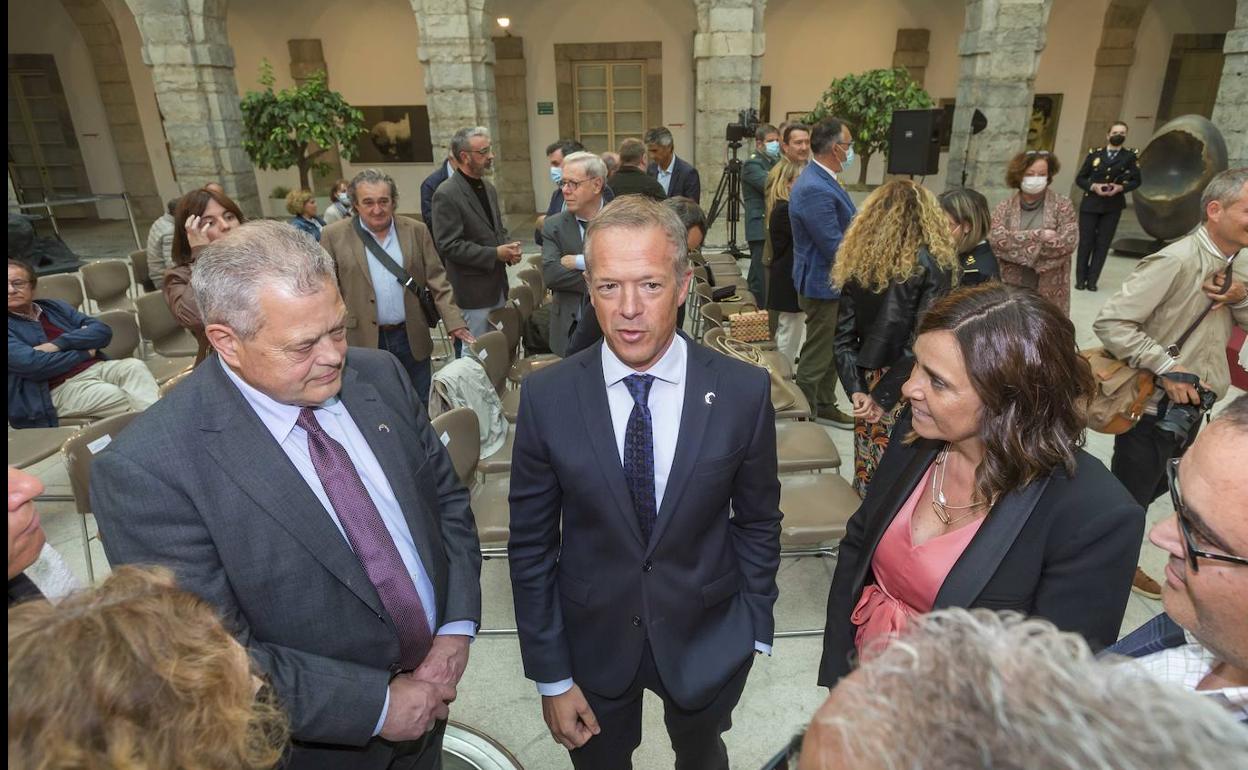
column 1151, row 323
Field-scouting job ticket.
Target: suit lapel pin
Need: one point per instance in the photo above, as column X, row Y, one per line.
column 383, row 428
column 709, row 398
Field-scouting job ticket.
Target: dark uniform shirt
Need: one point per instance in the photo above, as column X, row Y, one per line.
column 1106, row 166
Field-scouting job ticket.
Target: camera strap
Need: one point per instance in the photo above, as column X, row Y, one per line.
column 1174, row 349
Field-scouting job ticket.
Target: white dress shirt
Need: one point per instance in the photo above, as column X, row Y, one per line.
column 835, row 175
column 667, row 403
column 1186, row 666
column 333, row 417
column 665, row 174
column 386, row 287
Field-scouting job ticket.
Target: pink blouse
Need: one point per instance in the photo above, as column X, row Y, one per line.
column 907, row 577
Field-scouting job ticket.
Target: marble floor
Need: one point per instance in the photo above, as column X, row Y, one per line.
column 494, row 696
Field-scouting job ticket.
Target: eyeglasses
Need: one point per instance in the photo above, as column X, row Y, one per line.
column 483, row 151
column 1185, row 525
column 19, row 284
column 575, row 184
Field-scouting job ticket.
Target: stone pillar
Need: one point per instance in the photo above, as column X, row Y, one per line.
column 458, row 58
column 727, row 51
column 109, row 62
column 185, row 44
column 515, row 187
column 1230, row 112
column 1000, row 50
column 307, row 57
column 911, row 53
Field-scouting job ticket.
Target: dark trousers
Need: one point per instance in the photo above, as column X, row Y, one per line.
column 695, row 735
column 420, row 372
column 1096, row 233
column 755, row 279
column 816, row 366
column 1140, row 457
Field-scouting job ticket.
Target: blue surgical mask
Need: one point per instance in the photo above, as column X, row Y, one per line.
column 772, row 149
column 344, row 199
column 556, row 174
column 849, row 159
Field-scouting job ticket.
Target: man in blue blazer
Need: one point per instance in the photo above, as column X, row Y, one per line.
column 821, row 211
column 1200, row 642
column 430, row 186
column 676, row 176
column 645, row 522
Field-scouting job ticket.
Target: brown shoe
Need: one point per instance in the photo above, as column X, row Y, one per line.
column 1145, row 585
column 835, row 417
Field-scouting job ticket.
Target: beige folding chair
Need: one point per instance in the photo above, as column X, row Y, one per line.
column 28, row 446
column 66, row 287
column 172, row 382
column 126, row 341
column 533, row 279
column 159, row 327
column 107, row 283
column 774, row 358
column 522, row 297
column 79, row 450
column 141, row 271
column 459, row 432
column 491, row 350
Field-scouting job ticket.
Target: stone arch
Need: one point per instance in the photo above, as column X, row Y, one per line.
column 1114, row 58
column 99, row 31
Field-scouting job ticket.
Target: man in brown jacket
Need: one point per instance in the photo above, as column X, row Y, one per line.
column 381, row 313
column 1161, row 298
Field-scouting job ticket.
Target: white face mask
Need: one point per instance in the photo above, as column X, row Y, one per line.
column 1034, row 184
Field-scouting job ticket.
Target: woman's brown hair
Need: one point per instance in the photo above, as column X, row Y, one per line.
column 1017, row 169
column 1021, row 356
column 134, row 674
column 193, row 204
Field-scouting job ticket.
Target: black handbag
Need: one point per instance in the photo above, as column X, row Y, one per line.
column 423, row 295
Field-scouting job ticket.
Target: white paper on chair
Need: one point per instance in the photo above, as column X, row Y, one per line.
column 446, row 438
column 98, row 445
column 484, row 354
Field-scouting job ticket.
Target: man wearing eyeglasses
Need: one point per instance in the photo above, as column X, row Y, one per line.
column 469, row 231
column 1201, row 640
column 563, row 236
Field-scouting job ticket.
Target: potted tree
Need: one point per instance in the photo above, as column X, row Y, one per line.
column 296, row 126
column 867, row 102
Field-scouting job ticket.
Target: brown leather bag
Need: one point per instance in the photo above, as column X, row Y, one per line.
column 1121, row 392
column 749, row 326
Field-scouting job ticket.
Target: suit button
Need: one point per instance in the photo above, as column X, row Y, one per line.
column 636, row 621
column 649, row 565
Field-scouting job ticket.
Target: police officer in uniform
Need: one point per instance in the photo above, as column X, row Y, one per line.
column 1107, row 175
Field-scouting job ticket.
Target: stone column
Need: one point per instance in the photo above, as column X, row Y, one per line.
column 1000, row 50
column 1230, row 112
column 515, row 187
column 307, row 57
column 185, row 44
column 108, row 60
column 911, row 52
column 727, row 50
column 458, row 58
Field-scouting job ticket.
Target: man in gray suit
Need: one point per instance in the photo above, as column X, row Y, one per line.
column 469, row 232
column 297, row 485
column 563, row 235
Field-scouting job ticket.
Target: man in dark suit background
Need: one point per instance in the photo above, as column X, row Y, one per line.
column 469, row 232
column 431, row 185
column 563, row 258
column 1107, row 175
column 753, row 194
column 631, row 178
column 297, row 485
column 1206, row 589
column 627, row 569
column 676, row 176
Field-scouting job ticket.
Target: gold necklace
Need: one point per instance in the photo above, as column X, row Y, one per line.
column 940, row 504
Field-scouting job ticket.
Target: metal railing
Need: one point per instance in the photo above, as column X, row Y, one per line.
column 48, row 205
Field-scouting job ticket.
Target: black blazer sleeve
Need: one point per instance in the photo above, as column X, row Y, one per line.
column 847, row 345
column 933, row 284
column 1130, row 178
column 838, row 629
column 1084, row 178
column 780, row 227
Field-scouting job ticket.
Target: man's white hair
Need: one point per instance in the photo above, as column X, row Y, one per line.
column 976, row 689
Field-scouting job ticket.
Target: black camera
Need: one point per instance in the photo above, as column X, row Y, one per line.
column 744, row 128
column 1181, row 418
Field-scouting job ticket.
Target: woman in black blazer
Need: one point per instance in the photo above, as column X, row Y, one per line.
column 969, row 222
column 787, row 316
column 989, row 448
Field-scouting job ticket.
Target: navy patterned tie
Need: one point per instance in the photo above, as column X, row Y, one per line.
column 370, row 540
column 639, row 454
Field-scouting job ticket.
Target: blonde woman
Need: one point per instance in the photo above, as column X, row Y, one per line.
column 302, row 207
column 897, row 258
column 790, row 321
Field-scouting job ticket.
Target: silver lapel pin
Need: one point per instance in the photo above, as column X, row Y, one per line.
column 709, row 398
column 383, row 428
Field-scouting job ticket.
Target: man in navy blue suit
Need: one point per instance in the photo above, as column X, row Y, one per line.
column 821, row 211
column 676, row 176
column 1205, row 593
column 430, row 186
column 645, row 522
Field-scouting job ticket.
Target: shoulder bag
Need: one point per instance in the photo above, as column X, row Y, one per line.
column 423, row 295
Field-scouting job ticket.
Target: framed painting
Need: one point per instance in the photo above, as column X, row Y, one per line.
column 394, row 135
column 1046, row 109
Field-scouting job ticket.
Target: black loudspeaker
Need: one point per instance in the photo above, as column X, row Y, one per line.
column 914, row 142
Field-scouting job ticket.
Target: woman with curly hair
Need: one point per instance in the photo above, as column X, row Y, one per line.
column 896, row 259
column 135, row 674
column 1035, row 231
column 789, row 320
column 986, row 498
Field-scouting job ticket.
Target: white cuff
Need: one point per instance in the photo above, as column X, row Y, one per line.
column 551, row 689
column 385, row 709
column 763, row 648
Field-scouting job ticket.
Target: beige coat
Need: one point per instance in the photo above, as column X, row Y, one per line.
column 356, row 283
column 1160, row 299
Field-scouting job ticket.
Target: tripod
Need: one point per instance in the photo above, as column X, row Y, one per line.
column 729, row 191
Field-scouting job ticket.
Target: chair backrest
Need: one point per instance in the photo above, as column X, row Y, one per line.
column 138, row 265
column 506, row 319
column 712, row 313
column 81, row 448
column 460, row 434
column 155, row 318
column 491, row 350
column 106, row 281
column 125, row 333
column 522, row 297
column 703, row 290
column 66, row 287
column 700, row 275
column 169, row 384
column 712, row 336
column 534, row 279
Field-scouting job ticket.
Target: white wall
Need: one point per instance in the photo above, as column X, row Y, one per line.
column 370, row 52
column 543, row 23
column 45, row 28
